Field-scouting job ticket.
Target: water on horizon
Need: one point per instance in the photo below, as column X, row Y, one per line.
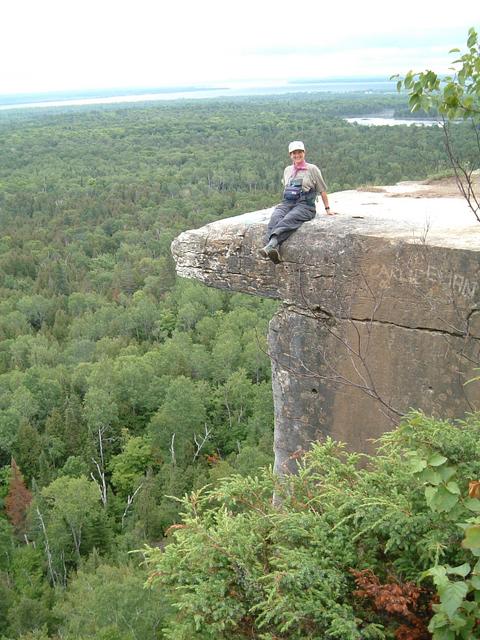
column 37, row 101
column 379, row 121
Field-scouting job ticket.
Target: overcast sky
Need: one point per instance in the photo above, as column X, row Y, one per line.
column 51, row 45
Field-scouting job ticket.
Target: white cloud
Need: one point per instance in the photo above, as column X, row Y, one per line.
column 66, row 44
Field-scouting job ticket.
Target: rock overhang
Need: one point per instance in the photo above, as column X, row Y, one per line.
column 380, row 313
column 389, row 254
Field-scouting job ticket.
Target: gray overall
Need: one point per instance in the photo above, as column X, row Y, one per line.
column 287, row 217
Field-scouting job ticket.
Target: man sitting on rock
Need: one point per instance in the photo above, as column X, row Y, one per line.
column 303, row 182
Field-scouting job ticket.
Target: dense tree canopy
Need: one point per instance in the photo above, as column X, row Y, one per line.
column 123, row 388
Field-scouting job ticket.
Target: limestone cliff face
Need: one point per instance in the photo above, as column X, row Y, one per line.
column 381, row 310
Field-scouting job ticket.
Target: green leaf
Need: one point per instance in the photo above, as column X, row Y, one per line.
column 439, row 575
column 417, row 465
column 472, row 40
column 462, row 570
column 472, row 537
column 476, row 568
column 472, row 504
column 446, row 473
column 430, row 476
column 439, row 625
column 453, row 487
column 430, row 493
column 439, row 620
column 440, row 498
column 452, row 596
column 436, row 460
column 475, row 582
column 408, row 80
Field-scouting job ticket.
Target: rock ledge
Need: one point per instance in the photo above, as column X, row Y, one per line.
column 380, row 310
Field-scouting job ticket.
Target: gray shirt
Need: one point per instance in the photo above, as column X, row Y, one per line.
column 311, row 178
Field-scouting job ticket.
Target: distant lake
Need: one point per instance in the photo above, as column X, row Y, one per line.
column 390, row 121
column 346, row 85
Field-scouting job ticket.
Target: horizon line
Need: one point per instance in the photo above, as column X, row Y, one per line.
column 206, row 86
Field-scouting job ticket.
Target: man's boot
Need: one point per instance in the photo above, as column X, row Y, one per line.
column 271, row 250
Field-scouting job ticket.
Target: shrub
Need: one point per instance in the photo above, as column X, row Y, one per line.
column 241, row 565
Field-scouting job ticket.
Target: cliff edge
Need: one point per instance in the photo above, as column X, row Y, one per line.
column 380, row 313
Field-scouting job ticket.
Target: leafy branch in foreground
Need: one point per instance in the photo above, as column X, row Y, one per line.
column 241, row 567
column 457, row 615
column 454, row 97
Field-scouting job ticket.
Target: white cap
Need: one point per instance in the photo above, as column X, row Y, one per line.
column 296, row 145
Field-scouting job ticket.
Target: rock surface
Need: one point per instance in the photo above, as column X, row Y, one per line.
column 381, row 310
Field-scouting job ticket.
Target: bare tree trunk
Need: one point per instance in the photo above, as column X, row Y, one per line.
column 130, row 500
column 77, row 540
column 172, row 450
column 100, row 481
column 201, row 442
column 51, row 570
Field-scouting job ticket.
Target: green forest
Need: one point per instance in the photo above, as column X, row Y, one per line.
column 124, row 389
